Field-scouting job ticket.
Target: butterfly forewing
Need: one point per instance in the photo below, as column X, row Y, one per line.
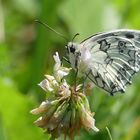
column 115, row 58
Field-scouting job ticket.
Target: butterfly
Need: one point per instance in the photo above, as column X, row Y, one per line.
column 108, row 59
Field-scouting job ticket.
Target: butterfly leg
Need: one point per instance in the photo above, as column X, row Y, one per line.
column 76, row 73
column 64, row 59
column 84, row 80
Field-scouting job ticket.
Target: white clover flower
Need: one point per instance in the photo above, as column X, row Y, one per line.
column 59, row 71
column 68, row 109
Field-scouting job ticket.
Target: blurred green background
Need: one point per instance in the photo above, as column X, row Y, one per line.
column 26, row 50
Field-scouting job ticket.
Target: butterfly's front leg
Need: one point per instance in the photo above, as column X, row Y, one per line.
column 77, row 60
column 64, row 59
column 76, row 65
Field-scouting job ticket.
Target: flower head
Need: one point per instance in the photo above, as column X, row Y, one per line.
column 67, row 111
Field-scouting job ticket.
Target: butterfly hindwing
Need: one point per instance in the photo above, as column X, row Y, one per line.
column 115, row 58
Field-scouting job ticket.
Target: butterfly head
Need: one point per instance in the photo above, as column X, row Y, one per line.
column 73, row 53
column 71, row 48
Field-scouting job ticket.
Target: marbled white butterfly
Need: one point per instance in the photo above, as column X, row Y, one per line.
column 109, row 59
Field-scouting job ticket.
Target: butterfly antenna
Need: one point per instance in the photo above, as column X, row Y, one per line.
column 47, row 26
column 75, row 36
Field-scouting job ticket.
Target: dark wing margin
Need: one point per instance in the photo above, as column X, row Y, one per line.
column 115, row 59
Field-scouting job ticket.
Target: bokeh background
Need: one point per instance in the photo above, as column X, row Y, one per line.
column 26, row 50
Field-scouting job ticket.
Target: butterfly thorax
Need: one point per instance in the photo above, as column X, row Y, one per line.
column 79, row 57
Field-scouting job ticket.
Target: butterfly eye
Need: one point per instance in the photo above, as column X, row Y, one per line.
column 72, row 50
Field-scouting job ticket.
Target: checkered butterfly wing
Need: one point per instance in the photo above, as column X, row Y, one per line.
column 115, row 59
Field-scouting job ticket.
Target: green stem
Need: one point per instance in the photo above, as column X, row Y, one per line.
column 108, row 131
column 65, row 137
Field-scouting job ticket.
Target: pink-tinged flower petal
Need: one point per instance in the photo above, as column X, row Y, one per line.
column 87, row 119
column 79, row 87
column 42, row 108
column 49, row 77
column 52, row 80
column 61, row 72
column 49, row 84
column 89, row 122
column 65, row 89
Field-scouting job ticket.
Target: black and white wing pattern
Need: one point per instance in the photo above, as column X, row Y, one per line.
column 115, row 58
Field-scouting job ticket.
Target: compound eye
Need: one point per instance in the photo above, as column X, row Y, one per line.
column 72, row 49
